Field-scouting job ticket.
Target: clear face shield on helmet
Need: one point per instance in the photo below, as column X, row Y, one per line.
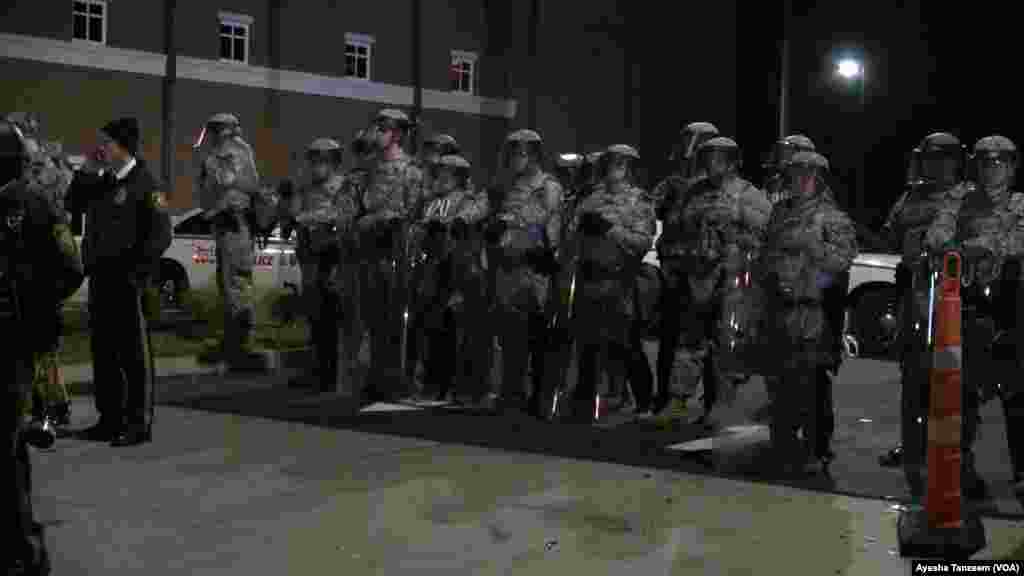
column 322, row 164
column 617, row 169
column 519, row 156
column 940, row 165
column 995, row 170
column 802, row 179
column 385, row 132
column 718, row 163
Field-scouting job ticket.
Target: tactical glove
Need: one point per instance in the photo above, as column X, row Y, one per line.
column 594, row 224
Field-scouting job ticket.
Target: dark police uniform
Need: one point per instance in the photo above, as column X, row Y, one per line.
column 126, row 233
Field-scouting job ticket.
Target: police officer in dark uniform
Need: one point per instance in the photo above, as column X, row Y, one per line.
column 30, row 286
column 126, row 232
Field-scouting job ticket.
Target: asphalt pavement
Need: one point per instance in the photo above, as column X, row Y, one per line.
column 248, row 476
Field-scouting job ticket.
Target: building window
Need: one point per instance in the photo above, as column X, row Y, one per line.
column 235, row 37
column 90, row 20
column 463, row 71
column 358, row 52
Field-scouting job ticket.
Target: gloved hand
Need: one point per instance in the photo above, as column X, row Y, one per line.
column 460, row 229
column 495, row 229
column 594, row 224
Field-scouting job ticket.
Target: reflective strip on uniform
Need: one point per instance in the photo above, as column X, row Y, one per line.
column 944, row 431
column 948, row 358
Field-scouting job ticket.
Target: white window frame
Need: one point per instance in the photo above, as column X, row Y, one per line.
column 360, row 41
column 243, row 21
column 88, row 17
column 460, row 57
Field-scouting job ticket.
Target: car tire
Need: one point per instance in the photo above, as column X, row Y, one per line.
column 876, row 322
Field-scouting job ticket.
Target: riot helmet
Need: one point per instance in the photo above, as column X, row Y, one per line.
column 785, row 148
column 451, row 172
column 938, row 159
column 719, row 157
column 324, row 156
column 805, row 172
column 389, row 127
column 690, row 139
column 522, row 149
column 569, row 168
column 218, row 128
column 439, row 145
column 995, row 160
column 617, row 164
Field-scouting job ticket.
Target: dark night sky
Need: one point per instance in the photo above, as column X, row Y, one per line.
column 931, row 66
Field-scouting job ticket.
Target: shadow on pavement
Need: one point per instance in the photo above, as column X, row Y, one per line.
column 866, row 414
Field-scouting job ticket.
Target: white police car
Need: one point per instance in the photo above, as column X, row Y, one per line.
column 191, row 261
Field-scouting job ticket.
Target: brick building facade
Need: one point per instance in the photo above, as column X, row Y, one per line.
column 295, row 71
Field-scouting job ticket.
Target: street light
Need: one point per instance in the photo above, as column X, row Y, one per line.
column 849, row 68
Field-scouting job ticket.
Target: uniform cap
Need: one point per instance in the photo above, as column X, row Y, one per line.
column 722, row 143
column 939, row 140
column 624, row 150
column 223, row 118
column 594, row 157
column 454, row 161
column 700, row 128
column 393, row 114
column 809, row 159
column 523, row 136
column 995, row 144
column 798, row 141
column 324, row 145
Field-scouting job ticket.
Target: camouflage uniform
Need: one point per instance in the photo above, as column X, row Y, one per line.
column 606, row 324
column 49, row 177
column 986, row 222
column 323, row 215
column 229, row 187
column 776, row 186
column 391, row 200
column 809, row 242
column 711, row 233
column 666, row 198
column 907, row 224
column 453, row 288
column 530, row 219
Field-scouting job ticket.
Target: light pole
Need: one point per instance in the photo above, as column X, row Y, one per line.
column 854, row 70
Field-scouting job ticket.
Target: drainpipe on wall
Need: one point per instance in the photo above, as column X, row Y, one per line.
column 168, row 151
column 417, row 71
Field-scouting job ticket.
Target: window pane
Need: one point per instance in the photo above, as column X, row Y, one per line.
column 96, row 9
column 240, row 49
column 80, row 27
column 80, row 7
column 96, row 29
column 350, row 65
column 454, row 82
column 225, row 47
column 225, row 29
column 361, row 68
column 363, row 50
column 467, row 84
column 350, row 50
column 240, row 31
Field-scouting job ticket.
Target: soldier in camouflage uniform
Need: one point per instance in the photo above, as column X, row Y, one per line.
column 617, row 225
column 776, row 185
column 986, row 223
column 322, row 213
column 391, row 201
column 229, row 186
column 937, row 166
column 665, row 197
column 525, row 235
column 709, row 236
column 810, row 242
column 50, row 177
column 453, row 291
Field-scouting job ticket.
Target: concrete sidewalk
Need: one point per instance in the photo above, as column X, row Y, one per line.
column 227, row 494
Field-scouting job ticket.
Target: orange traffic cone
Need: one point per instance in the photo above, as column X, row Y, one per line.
column 943, row 528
